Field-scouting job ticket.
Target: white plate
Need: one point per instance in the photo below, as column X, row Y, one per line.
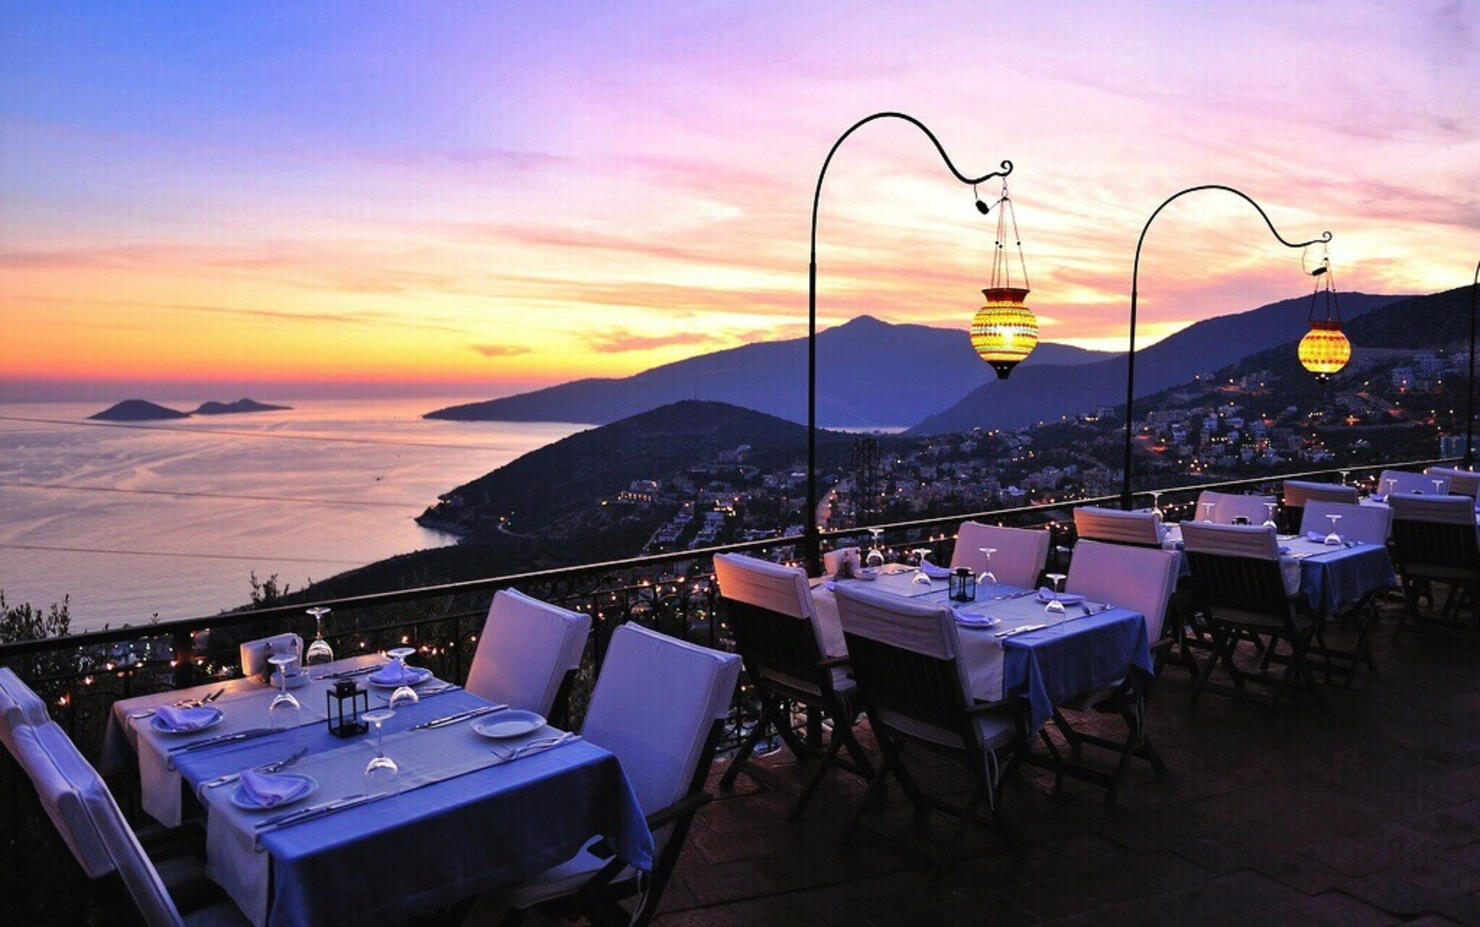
column 419, row 675
column 510, row 723
column 158, row 724
column 241, row 801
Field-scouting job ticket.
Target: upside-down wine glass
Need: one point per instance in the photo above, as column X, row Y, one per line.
column 381, row 772
column 1270, row 522
column 1056, row 584
column 986, row 577
column 284, row 711
column 875, row 558
column 1438, row 487
column 402, row 697
column 319, row 651
column 1207, row 510
column 1391, row 485
column 1344, row 475
column 398, row 656
column 920, row 575
column 1156, row 504
column 1333, row 538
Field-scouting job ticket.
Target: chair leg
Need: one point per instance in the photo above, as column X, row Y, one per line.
column 1062, row 723
column 828, row 759
column 727, row 781
column 968, row 817
column 875, row 787
column 855, row 750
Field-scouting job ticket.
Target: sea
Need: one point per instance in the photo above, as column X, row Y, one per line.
column 139, row 521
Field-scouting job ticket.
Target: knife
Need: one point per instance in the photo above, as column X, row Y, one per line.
column 223, row 739
column 1020, row 629
column 311, row 810
column 345, row 674
column 459, row 716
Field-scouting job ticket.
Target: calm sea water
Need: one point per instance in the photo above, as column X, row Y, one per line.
column 173, row 517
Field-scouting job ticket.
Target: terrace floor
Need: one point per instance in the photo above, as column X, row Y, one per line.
column 1364, row 811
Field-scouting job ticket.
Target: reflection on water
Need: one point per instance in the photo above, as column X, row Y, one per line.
column 172, row 517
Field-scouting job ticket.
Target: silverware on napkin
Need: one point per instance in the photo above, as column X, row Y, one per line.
column 270, row 768
column 1020, row 629
column 346, row 674
column 508, row 754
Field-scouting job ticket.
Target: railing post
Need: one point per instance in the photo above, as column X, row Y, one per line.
column 183, row 642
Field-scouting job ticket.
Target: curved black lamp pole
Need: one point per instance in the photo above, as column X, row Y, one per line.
column 1470, row 396
column 1130, row 375
column 813, row 539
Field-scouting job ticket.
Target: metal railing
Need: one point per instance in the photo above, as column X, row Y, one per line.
column 81, row 675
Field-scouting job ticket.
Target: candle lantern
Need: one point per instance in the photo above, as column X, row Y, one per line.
column 1325, row 349
column 1004, row 331
column 963, row 585
column 346, row 703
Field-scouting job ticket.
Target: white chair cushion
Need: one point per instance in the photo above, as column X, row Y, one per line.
column 1367, row 524
column 1301, row 493
column 1141, row 579
column 567, row 878
column 993, row 731
column 58, row 786
column 254, row 653
column 1228, row 506
column 1404, row 481
column 1461, row 482
column 18, row 705
column 774, row 587
column 1021, row 552
column 1102, row 524
column 525, row 650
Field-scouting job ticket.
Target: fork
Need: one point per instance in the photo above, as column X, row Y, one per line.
column 535, row 746
column 279, row 766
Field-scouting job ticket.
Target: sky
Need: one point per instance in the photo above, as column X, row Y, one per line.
column 477, row 198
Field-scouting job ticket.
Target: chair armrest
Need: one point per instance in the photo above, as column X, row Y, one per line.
column 986, row 708
column 681, row 808
column 1162, row 645
column 832, row 662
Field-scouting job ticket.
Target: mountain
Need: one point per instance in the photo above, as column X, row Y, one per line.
column 870, row 373
column 1045, row 392
column 538, row 489
column 137, row 410
column 233, row 408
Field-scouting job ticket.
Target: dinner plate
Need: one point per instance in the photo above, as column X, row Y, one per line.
column 311, row 785
column 511, row 723
column 157, row 723
column 418, row 675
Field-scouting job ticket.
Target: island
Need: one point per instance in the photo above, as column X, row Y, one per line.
column 234, row 408
column 137, row 410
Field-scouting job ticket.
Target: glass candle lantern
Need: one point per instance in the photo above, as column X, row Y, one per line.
column 346, row 703
column 963, row 585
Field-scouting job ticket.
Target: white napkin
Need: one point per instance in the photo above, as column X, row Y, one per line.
column 396, row 674
column 1046, row 594
column 933, row 571
column 1314, row 536
column 268, row 790
column 185, row 719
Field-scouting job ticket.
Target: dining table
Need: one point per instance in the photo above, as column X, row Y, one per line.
column 1011, row 646
column 466, row 813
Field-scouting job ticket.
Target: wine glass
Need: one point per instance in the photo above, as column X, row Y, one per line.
column 1270, row 522
column 319, row 651
column 1344, row 475
column 1056, row 583
column 381, row 772
column 284, row 711
column 1207, row 510
column 1333, row 538
column 398, row 656
column 987, row 577
column 920, row 575
column 1156, row 504
column 1438, row 487
column 1391, row 485
column 875, row 557
column 402, row 697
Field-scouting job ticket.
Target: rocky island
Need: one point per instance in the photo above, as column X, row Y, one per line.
column 240, row 406
column 137, row 410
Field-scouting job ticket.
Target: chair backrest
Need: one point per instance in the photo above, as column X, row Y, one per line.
column 525, row 651
column 1142, row 529
column 833, row 559
column 1227, row 506
column 100, row 826
column 255, row 653
column 1404, row 481
column 903, row 654
column 1298, row 493
column 1461, row 482
column 770, row 609
column 1236, row 566
column 1434, row 532
column 18, row 705
column 57, row 788
column 1021, row 552
column 654, row 704
column 1366, row 524
column 1137, row 578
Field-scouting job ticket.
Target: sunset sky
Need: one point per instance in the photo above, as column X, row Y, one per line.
column 479, row 197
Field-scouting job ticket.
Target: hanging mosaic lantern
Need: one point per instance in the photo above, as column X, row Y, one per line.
column 1004, row 331
column 1325, row 349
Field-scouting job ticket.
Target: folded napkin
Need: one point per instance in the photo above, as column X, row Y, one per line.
column 268, row 791
column 398, row 674
column 1046, row 594
column 933, row 571
column 186, row 719
column 1314, row 536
